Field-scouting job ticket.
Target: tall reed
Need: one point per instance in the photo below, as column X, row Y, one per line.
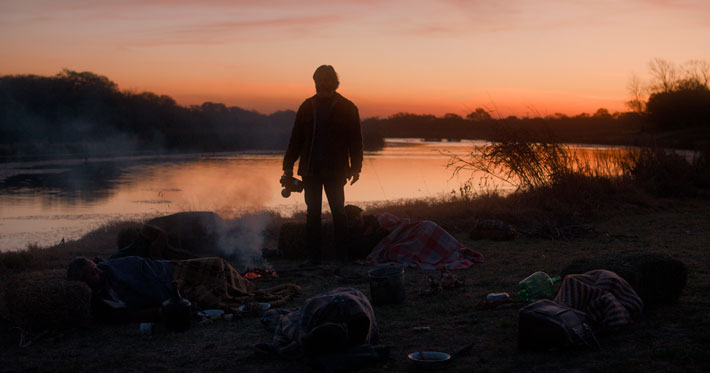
column 533, row 165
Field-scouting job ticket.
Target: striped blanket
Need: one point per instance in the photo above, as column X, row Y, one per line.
column 213, row 282
column 606, row 297
column 422, row 244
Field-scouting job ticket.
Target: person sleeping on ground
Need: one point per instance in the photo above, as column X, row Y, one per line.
column 328, row 323
column 387, row 239
column 152, row 242
column 133, row 288
column 364, row 230
column 193, row 234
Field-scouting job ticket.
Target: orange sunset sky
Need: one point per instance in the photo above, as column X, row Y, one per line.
column 516, row 57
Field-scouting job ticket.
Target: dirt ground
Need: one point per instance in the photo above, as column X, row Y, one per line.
column 664, row 338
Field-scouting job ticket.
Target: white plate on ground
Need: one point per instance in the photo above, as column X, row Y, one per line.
column 429, row 359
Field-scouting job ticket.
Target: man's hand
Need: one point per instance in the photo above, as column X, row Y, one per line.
column 288, row 173
column 355, row 176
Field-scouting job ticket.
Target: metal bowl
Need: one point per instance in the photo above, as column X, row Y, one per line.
column 429, row 359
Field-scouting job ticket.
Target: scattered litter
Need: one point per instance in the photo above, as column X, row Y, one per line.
column 537, row 286
column 447, row 281
column 494, row 301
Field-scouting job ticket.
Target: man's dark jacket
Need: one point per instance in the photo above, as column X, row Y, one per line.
column 342, row 140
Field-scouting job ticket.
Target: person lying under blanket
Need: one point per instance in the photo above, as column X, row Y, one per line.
column 328, row 323
column 387, row 239
column 133, row 288
column 603, row 295
column 152, row 242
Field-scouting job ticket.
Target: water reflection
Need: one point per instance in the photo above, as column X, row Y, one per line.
column 45, row 201
column 89, row 182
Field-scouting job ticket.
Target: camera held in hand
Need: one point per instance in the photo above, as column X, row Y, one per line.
column 290, row 184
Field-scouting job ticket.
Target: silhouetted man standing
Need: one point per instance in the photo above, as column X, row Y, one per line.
column 327, row 138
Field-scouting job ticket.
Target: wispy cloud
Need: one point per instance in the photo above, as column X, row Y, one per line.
column 292, row 23
column 568, row 14
column 213, row 33
column 433, row 29
column 694, row 5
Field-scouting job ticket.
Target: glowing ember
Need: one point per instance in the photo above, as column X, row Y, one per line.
column 257, row 273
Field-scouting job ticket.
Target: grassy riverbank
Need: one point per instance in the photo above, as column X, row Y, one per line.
column 664, row 211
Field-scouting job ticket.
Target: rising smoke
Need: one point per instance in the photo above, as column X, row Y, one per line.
column 241, row 241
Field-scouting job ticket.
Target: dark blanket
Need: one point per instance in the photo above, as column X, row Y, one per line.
column 328, row 323
column 139, row 282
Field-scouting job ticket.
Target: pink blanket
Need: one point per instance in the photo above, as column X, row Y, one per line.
column 422, row 244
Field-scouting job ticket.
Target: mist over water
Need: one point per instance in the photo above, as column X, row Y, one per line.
column 43, row 202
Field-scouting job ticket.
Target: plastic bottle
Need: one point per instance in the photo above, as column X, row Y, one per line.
column 536, row 286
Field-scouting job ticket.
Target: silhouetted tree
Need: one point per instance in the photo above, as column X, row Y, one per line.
column 559, row 116
column 602, row 113
column 664, row 75
column 637, row 91
column 698, row 70
column 678, row 97
column 685, row 105
column 478, row 115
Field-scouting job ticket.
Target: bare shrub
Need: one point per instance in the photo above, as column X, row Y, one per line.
column 517, row 160
column 665, row 172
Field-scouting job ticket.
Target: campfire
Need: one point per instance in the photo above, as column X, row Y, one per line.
column 259, row 273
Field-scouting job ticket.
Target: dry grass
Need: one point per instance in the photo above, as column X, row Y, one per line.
column 37, row 300
column 540, row 165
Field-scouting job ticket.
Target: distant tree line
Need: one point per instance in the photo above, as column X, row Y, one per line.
column 601, row 127
column 82, row 113
column 85, row 113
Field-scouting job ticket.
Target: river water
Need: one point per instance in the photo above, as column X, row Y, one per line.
column 43, row 202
